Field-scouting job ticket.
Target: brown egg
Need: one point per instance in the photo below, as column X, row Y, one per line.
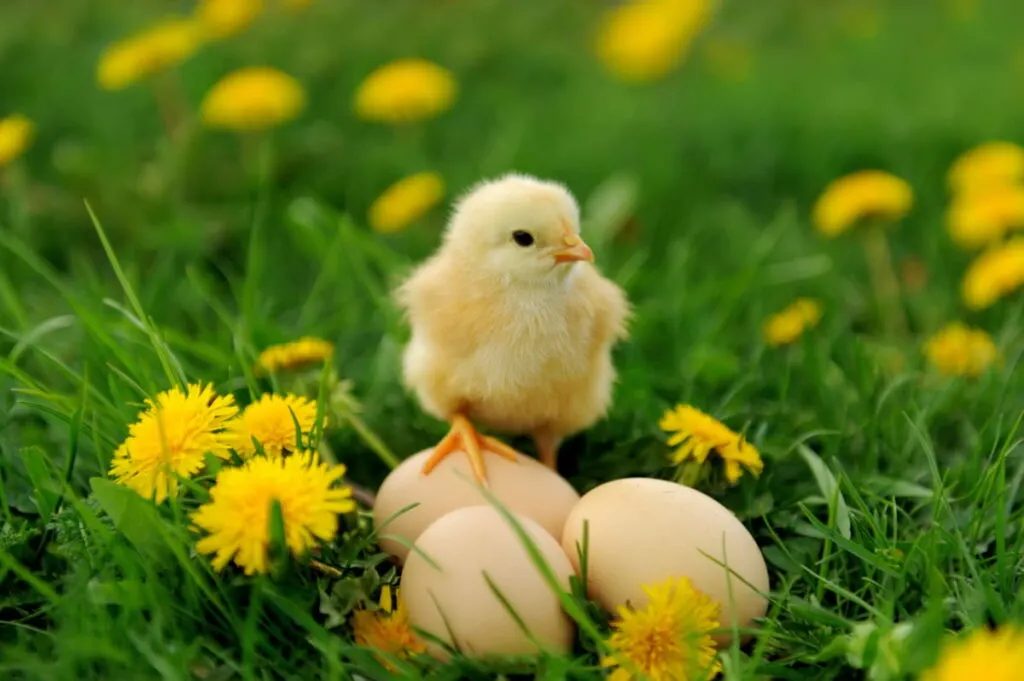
column 642, row 531
column 452, row 600
column 525, row 486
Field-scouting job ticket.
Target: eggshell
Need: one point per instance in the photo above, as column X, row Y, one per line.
column 643, row 531
column 454, row 602
column 525, row 486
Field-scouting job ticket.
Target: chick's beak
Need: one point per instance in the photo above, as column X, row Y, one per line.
column 575, row 250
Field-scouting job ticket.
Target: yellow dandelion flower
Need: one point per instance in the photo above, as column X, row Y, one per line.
column 253, row 98
column 669, row 640
column 995, row 273
column 387, row 629
column 270, row 422
column 866, row 194
column 404, row 91
column 155, row 49
column 171, row 438
column 237, row 518
column 294, row 355
column 225, row 18
column 981, row 217
column 643, row 40
column 698, row 434
column 959, row 350
column 405, row 202
column 984, row 654
column 986, row 166
column 16, row 135
column 785, row 327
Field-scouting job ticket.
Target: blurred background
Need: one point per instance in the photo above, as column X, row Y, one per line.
column 703, row 174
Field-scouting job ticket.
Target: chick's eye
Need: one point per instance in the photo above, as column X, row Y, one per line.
column 522, row 238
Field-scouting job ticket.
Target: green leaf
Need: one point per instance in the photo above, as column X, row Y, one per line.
column 829, row 489
column 134, row 517
column 46, row 494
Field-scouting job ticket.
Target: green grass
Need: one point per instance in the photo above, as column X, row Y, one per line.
column 889, row 495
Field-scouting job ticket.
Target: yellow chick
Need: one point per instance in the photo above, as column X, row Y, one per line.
column 512, row 324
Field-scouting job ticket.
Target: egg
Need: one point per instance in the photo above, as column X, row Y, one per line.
column 642, row 531
column 449, row 597
column 524, row 486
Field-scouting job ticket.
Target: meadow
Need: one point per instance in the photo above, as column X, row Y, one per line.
column 143, row 248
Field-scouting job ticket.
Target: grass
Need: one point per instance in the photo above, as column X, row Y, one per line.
column 889, row 495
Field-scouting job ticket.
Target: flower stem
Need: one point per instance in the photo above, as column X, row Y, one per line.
column 883, row 279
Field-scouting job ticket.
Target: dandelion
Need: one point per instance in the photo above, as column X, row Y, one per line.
column 869, row 196
column 271, row 421
column 163, row 46
column 224, row 18
column 959, row 350
column 387, row 629
column 859, row 196
column 697, row 435
column 171, row 439
column 984, row 654
column 294, row 355
column 405, row 202
column 405, row 91
column 237, row 518
column 988, row 165
column 995, row 273
column 253, row 98
column 787, row 326
column 669, row 639
column 643, row 40
column 981, row 217
column 16, row 135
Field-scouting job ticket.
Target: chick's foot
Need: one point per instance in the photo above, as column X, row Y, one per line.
column 463, row 436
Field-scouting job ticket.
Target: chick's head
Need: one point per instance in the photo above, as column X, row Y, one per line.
column 519, row 228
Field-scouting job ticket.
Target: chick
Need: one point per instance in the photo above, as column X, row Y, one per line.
column 512, row 324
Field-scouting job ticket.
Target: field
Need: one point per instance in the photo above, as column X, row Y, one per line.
column 140, row 249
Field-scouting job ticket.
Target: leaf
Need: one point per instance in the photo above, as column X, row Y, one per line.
column 46, row 495
column 608, row 207
column 134, row 517
column 829, row 489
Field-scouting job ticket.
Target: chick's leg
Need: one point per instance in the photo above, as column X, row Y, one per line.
column 547, row 448
column 464, row 436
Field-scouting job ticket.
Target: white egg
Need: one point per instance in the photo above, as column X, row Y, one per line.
column 642, row 531
column 446, row 591
column 524, row 486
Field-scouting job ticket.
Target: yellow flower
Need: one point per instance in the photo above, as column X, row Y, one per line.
column 995, row 273
column 858, row 196
column 160, row 47
column 786, row 326
column 294, row 355
column 253, row 98
column 237, row 517
column 981, row 217
column 224, row 18
column 959, row 350
column 404, row 91
column 986, row 166
column 16, row 134
column 270, row 421
column 697, row 435
column 171, row 438
column 387, row 629
column 669, row 640
column 983, row 654
column 406, row 201
column 643, row 40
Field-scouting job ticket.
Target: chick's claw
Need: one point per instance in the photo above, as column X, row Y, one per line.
column 463, row 436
